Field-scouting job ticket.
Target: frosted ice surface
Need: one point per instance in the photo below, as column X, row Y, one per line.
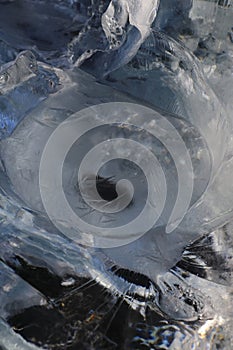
column 140, row 14
column 183, row 276
column 22, row 85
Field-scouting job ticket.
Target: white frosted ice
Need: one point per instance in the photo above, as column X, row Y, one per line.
column 140, row 14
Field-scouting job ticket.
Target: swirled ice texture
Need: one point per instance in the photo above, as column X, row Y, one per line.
column 59, row 294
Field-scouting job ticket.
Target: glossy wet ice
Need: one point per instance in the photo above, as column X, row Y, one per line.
column 181, row 276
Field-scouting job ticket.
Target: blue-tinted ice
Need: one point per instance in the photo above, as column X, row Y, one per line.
column 183, row 276
column 23, row 85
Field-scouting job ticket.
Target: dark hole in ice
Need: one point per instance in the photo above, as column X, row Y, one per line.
column 39, row 277
column 106, row 188
column 132, row 277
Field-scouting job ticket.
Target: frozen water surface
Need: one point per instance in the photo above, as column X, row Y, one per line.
column 144, row 71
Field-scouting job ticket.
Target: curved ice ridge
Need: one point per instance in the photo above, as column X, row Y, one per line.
column 125, row 26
